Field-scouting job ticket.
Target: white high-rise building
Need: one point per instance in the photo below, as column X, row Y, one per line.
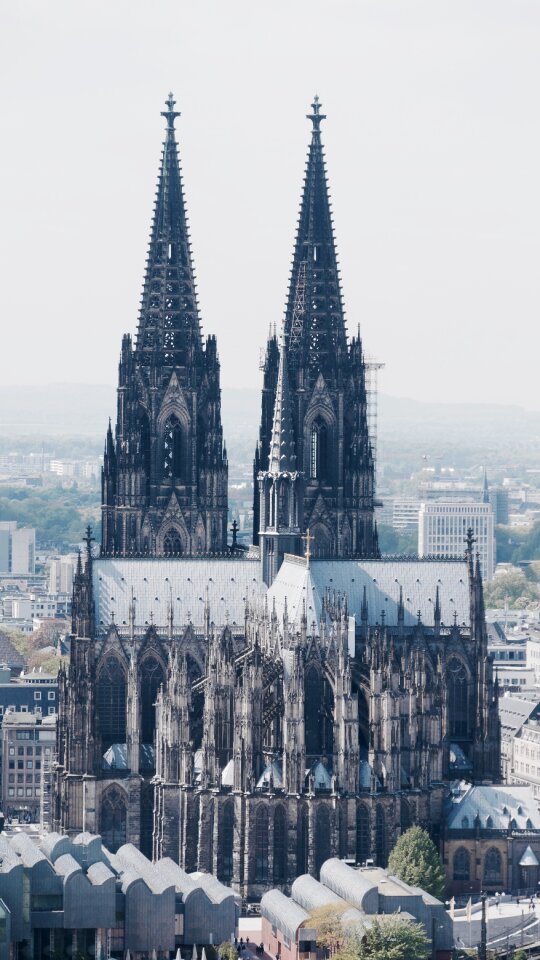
column 443, row 526
column 405, row 513
column 17, row 548
column 61, row 571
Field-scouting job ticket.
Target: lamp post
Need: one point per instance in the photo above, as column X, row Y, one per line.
column 482, row 949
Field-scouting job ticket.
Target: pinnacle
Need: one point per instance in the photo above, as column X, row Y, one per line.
column 282, row 456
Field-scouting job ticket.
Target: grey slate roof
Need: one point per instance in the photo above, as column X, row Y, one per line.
column 157, row 582
column 9, row 654
column 115, row 758
column 503, row 804
column 529, row 859
column 274, row 769
column 514, row 711
column 458, row 759
column 382, row 579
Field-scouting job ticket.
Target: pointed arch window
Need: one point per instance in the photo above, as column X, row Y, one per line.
column 322, row 838
column 261, row 845
column 363, row 834
column 319, row 449
column 458, row 699
column 113, row 819
column 173, row 453
column 313, row 702
column 280, row 845
column 111, row 702
column 145, row 443
column 227, row 839
column 151, row 678
column 462, row 865
column 147, row 819
column 405, row 816
column 380, row 837
column 302, row 848
column 493, row 866
column 172, row 544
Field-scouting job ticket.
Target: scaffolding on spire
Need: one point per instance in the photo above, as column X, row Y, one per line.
column 372, row 368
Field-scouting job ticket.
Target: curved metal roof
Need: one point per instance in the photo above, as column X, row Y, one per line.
column 214, row 888
column 310, row 894
column 283, row 913
column 99, row 873
column 54, row 845
column 66, row 865
column 354, row 886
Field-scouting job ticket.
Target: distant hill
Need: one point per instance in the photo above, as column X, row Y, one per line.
column 69, row 409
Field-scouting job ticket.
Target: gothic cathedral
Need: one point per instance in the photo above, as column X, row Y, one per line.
column 252, row 714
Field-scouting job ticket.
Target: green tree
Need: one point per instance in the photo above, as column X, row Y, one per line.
column 395, row 542
column 415, row 860
column 512, row 588
column 332, row 934
column 387, row 938
column 227, row 951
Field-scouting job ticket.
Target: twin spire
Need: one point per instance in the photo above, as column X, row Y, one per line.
column 169, row 325
column 314, row 327
column 314, row 316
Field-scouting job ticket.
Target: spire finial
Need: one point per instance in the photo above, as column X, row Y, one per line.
column 316, row 117
column 170, row 114
column 308, row 537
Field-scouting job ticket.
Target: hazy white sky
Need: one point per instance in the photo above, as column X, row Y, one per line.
column 433, row 152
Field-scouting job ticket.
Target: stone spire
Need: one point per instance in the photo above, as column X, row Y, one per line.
column 169, row 325
column 164, row 479
column 314, row 318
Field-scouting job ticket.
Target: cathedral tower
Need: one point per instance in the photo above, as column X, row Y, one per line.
column 164, row 482
column 325, row 374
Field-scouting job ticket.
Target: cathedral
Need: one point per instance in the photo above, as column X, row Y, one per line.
column 252, row 713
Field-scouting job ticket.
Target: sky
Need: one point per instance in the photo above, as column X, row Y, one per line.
column 432, row 144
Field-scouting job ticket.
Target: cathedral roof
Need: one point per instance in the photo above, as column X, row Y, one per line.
column 156, row 582
column 115, row 758
column 274, row 770
column 382, row 580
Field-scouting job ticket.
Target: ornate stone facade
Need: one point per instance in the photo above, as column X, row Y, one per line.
column 314, row 405
column 245, row 729
column 164, row 485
